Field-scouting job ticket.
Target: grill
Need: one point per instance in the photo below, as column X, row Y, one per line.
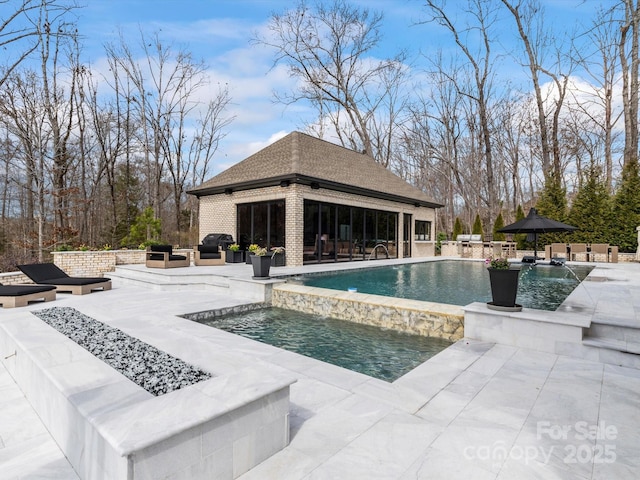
column 218, row 239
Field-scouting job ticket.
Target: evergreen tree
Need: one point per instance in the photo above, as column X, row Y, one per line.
column 590, row 211
column 553, row 204
column 145, row 230
column 128, row 195
column 625, row 215
column 521, row 238
column 457, row 228
column 477, row 226
column 499, row 223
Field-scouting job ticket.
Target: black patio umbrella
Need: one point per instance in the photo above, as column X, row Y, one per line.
column 535, row 224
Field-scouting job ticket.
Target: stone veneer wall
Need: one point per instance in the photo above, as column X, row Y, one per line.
column 409, row 316
column 218, row 213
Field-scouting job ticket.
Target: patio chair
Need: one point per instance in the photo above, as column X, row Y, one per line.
column 559, row 250
column 210, row 255
column 578, row 249
column 599, row 249
column 50, row 274
column 161, row 256
column 20, row 295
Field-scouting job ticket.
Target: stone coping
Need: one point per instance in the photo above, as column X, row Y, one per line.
column 533, row 315
column 108, row 427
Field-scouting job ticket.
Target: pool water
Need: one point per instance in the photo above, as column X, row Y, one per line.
column 543, row 287
column 373, row 351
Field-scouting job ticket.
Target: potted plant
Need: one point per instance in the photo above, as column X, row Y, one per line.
column 261, row 263
column 234, row 254
column 277, row 256
column 250, row 252
column 504, row 284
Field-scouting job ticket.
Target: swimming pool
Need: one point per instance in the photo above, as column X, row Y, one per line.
column 454, row 282
column 373, row 351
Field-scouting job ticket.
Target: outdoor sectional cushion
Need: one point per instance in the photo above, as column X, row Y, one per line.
column 19, row 290
column 164, row 249
column 48, row 273
column 209, row 252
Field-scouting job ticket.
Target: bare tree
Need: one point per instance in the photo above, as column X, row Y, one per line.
column 330, row 50
column 508, row 127
column 23, row 105
column 165, row 101
column 480, row 61
column 630, row 63
column 23, row 27
column 528, row 15
column 59, row 68
column 210, row 129
column 596, row 105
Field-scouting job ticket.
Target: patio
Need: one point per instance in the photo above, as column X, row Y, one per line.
column 476, row 410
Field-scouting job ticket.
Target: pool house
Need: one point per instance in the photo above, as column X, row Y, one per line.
column 322, row 202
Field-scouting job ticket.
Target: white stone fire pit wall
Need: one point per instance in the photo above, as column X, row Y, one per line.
column 110, row 428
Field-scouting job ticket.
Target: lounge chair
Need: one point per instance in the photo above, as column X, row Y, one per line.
column 20, row 295
column 50, row 274
column 161, row 256
column 208, row 255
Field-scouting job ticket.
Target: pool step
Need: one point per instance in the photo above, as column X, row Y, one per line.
column 616, row 344
column 168, row 282
column 610, row 344
column 622, row 336
column 189, row 279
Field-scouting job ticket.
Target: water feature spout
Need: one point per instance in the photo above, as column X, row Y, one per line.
column 572, row 272
column 386, row 250
column 575, row 276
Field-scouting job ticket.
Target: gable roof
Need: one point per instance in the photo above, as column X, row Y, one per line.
column 301, row 158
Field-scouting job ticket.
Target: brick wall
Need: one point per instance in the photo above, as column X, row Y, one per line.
column 14, row 278
column 86, row 264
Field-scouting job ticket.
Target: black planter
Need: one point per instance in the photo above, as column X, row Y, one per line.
column 247, row 257
column 504, row 289
column 234, row 257
column 261, row 266
column 278, row 260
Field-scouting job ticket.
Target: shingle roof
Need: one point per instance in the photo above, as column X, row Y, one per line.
column 301, row 158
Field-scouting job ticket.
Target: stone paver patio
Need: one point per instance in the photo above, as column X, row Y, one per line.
column 476, row 410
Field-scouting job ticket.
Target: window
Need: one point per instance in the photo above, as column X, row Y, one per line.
column 261, row 223
column 423, row 230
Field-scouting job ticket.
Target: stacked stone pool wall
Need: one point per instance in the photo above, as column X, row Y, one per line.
column 409, row 316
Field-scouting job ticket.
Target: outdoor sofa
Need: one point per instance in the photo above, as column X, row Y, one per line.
column 50, row 274
column 20, row 295
column 162, row 256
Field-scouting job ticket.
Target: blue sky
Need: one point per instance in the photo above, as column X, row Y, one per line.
column 219, row 32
